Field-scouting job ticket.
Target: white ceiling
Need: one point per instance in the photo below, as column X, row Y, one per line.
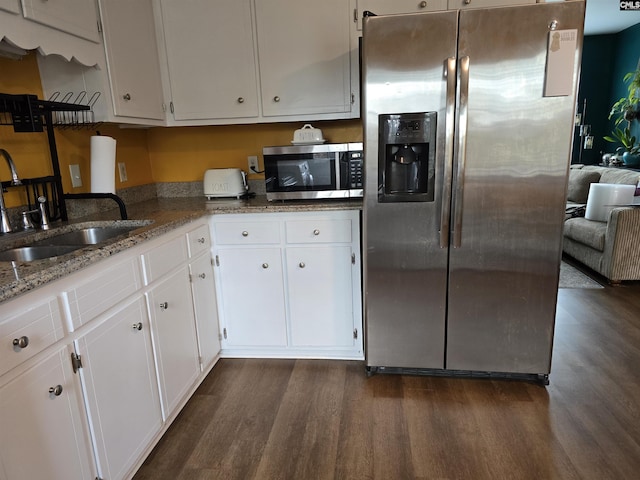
column 605, row 16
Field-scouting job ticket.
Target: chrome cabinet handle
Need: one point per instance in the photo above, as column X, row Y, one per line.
column 265, row 265
column 137, row 326
column 316, row 232
column 203, row 276
column 276, row 99
column 127, row 96
column 164, row 305
column 467, row 2
column 240, row 100
column 423, row 4
column 201, row 240
column 57, row 390
column 301, row 265
column 22, row 342
column 245, row 233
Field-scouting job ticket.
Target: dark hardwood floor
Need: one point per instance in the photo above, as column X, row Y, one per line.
column 317, row 419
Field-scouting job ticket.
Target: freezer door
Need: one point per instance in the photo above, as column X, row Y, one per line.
column 509, row 191
column 405, row 268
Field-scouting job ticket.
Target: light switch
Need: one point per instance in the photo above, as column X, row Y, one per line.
column 76, row 179
column 122, row 170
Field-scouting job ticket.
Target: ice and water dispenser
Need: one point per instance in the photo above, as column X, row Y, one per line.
column 406, row 164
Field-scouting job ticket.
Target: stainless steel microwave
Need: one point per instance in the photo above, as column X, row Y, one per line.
column 330, row 170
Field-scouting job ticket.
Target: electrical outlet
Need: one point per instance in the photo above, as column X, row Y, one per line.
column 122, row 169
column 76, row 178
column 253, row 164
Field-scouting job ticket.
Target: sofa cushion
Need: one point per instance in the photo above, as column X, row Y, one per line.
column 615, row 175
column 579, row 182
column 587, row 232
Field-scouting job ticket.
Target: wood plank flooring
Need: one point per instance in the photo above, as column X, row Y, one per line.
column 318, row 419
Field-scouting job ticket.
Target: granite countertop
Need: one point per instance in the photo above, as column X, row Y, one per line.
column 153, row 217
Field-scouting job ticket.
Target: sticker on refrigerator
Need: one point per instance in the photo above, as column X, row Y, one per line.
column 561, row 52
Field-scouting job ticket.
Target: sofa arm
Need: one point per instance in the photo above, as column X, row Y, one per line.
column 621, row 258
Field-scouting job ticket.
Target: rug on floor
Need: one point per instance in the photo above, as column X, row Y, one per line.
column 571, row 277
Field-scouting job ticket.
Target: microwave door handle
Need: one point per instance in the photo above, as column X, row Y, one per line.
column 461, row 153
column 445, row 205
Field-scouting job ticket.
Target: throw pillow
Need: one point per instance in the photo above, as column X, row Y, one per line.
column 579, row 182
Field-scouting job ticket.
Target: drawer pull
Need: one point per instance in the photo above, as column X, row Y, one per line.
column 245, row 234
column 423, row 4
column 265, row 265
column 240, row 100
column 203, row 276
column 22, row 342
column 57, row 390
column 137, row 326
column 164, row 305
column 127, row 96
column 201, row 240
column 316, row 232
column 302, row 265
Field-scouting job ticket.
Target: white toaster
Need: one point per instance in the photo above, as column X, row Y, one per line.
column 225, row 182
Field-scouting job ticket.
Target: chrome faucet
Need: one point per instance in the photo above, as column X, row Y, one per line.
column 5, row 224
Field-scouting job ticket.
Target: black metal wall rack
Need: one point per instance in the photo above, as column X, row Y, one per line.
column 28, row 114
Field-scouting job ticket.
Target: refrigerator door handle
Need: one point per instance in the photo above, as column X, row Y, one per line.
column 461, row 152
column 445, row 208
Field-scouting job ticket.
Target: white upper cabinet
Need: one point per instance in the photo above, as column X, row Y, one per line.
column 77, row 17
column 10, row 6
column 252, row 61
column 303, row 49
column 210, row 57
column 132, row 58
column 126, row 85
column 386, row 7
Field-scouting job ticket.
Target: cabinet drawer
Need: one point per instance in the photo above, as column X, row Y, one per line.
column 198, row 240
column 164, row 258
column 102, row 291
column 34, row 329
column 318, row 231
column 249, row 233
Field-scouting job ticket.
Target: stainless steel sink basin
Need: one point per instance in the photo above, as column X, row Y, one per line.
column 87, row 236
column 36, row 252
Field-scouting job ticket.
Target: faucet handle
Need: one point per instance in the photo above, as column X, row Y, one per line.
column 27, row 224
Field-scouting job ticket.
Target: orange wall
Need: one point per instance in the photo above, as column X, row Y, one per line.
column 184, row 153
column 159, row 154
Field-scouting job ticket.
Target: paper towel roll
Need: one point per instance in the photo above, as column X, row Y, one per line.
column 603, row 197
column 103, row 164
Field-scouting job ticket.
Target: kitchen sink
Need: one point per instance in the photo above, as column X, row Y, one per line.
column 87, row 236
column 36, row 252
column 62, row 243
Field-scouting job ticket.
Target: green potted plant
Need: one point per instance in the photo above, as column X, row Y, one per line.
column 629, row 150
column 627, row 107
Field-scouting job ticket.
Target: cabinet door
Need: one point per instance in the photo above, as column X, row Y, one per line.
column 210, row 56
column 320, row 296
column 387, row 7
column 132, row 58
column 122, row 388
column 253, row 306
column 303, row 49
column 77, row 17
column 10, row 6
column 175, row 339
column 43, row 431
column 206, row 309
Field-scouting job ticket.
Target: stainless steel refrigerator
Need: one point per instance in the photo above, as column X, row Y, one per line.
column 468, row 124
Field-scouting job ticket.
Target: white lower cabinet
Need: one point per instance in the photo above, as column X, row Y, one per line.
column 176, row 345
column 43, row 427
column 252, row 295
column 289, row 284
column 121, row 386
column 205, row 308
